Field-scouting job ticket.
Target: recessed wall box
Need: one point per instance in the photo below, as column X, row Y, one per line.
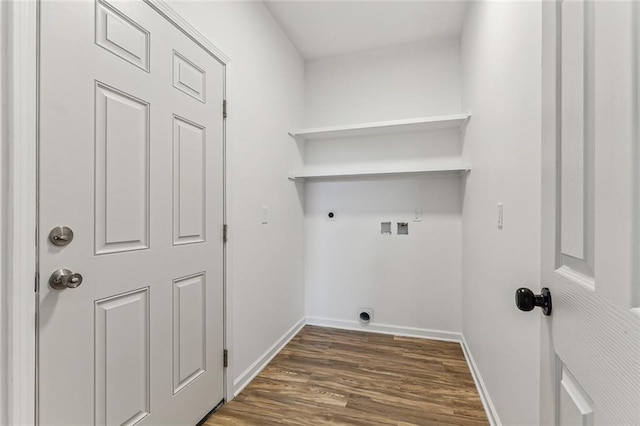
column 403, row 228
column 365, row 315
column 385, row 228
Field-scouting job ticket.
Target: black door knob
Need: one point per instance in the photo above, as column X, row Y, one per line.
column 526, row 300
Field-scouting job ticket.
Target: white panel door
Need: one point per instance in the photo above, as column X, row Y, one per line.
column 131, row 159
column 591, row 341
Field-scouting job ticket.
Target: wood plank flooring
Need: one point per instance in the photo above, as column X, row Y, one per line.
column 337, row 377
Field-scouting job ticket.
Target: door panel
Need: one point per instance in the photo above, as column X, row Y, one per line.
column 131, row 159
column 189, row 330
column 576, row 183
column 188, row 77
column 591, row 343
column 616, row 134
column 121, row 36
column 121, row 171
column 189, row 183
column 575, row 407
column 122, row 344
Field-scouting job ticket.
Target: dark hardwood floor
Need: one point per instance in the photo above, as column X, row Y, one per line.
column 328, row 376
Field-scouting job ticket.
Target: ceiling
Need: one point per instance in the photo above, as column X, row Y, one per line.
column 330, row 28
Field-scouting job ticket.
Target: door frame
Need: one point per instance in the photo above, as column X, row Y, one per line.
column 19, row 118
column 548, row 369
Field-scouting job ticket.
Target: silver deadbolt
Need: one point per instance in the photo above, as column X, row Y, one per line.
column 61, row 235
column 64, row 278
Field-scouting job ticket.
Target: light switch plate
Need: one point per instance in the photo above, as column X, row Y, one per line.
column 500, row 216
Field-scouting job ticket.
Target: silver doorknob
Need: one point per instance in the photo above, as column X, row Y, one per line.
column 64, row 278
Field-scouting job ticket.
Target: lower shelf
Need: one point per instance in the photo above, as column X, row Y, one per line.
column 454, row 171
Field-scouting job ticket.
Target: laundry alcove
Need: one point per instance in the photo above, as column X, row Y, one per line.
column 407, row 167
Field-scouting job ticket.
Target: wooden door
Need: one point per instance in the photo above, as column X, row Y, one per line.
column 591, row 341
column 131, row 159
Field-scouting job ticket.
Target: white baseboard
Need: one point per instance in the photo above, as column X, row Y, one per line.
column 489, row 408
column 254, row 369
column 447, row 336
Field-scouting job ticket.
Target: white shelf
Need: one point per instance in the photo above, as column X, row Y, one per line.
column 336, row 175
column 382, row 127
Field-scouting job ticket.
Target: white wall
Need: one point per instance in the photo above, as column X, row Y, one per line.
column 265, row 101
column 413, row 80
column 410, row 281
column 501, row 53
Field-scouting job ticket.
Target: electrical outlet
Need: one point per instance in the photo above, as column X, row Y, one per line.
column 417, row 215
column 500, row 216
column 265, row 215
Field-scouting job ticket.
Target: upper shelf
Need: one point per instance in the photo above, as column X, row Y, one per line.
column 449, row 170
column 382, row 127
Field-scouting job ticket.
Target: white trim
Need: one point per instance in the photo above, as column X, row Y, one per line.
column 263, row 360
column 228, row 219
column 19, row 262
column 635, row 297
column 166, row 11
column 487, row 403
column 4, row 195
column 446, row 336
